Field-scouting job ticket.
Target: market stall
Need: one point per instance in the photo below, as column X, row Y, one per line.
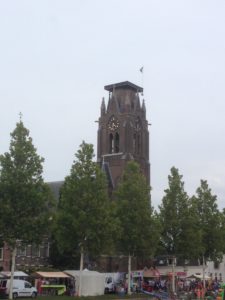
column 53, row 283
column 151, row 279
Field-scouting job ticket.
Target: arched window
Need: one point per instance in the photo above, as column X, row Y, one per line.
column 117, row 142
column 111, row 143
column 137, row 136
column 138, row 124
column 137, row 143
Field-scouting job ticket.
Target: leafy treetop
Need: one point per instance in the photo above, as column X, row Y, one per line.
column 24, row 197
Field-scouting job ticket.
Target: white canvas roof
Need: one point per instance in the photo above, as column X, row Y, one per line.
column 16, row 274
column 198, row 276
column 52, row 274
column 93, row 283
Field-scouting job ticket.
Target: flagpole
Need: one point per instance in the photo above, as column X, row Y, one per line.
column 142, row 79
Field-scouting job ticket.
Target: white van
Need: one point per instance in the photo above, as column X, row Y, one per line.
column 21, row 288
column 111, row 281
column 110, row 286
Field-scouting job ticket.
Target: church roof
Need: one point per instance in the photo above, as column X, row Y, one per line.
column 124, row 84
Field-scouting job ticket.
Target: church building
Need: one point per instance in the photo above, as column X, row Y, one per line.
column 122, row 136
column 123, row 133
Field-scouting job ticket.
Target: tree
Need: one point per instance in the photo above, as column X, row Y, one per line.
column 222, row 215
column 138, row 227
column 210, row 222
column 25, row 199
column 178, row 221
column 84, row 222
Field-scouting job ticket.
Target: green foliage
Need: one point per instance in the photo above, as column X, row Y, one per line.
column 210, row 221
column 83, row 217
column 138, row 225
column 66, row 259
column 25, row 199
column 222, row 231
column 178, row 220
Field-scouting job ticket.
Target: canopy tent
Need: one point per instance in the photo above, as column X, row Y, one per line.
column 93, row 283
column 51, row 275
column 178, row 274
column 151, row 273
column 198, row 276
column 17, row 274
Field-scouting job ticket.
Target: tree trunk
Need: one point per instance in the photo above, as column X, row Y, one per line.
column 173, row 274
column 81, row 270
column 203, row 275
column 129, row 275
column 13, row 255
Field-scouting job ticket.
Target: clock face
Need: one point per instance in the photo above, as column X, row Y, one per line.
column 113, row 124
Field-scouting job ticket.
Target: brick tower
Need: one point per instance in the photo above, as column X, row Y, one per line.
column 123, row 131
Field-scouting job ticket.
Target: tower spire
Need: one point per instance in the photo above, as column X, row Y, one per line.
column 103, row 107
column 143, row 107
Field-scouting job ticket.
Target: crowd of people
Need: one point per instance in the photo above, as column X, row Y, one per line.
column 192, row 287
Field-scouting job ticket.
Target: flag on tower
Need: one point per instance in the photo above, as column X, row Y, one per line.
column 141, row 69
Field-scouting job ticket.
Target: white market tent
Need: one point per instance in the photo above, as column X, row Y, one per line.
column 51, row 275
column 93, row 283
column 17, row 274
column 198, row 276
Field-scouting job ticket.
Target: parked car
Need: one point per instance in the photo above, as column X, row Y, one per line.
column 21, row 288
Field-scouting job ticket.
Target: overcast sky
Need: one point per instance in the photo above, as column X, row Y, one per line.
column 57, row 56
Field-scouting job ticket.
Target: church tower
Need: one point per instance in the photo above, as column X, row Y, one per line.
column 123, row 131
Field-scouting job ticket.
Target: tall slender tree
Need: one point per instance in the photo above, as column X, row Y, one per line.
column 222, row 234
column 210, row 221
column 25, row 199
column 138, row 227
column 178, row 220
column 84, row 221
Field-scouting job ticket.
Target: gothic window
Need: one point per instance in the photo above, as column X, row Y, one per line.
column 117, row 142
column 137, row 136
column 114, row 143
column 111, row 143
column 137, row 143
column 138, row 124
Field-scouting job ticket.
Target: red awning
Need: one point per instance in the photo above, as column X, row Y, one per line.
column 151, row 273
